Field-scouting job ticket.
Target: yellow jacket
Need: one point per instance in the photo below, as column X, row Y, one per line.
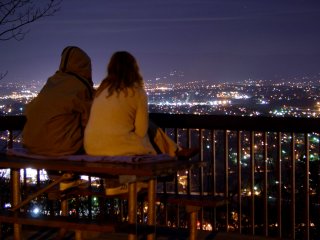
column 118, row 124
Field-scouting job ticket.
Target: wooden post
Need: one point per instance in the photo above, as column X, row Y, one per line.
column 16, row 198
column 132, row 208
column 151, row 205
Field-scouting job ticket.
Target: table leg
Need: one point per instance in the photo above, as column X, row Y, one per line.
column 193, row 212
column 64, row 212
column 132, row 207
column 78, row 235
column 152, row 206
column 16, row 198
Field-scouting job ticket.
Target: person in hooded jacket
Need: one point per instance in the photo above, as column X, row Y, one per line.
column 56, row 118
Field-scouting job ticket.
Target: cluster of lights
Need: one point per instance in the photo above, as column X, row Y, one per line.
column 232, row 94
column 207, row 103
column 25, row 94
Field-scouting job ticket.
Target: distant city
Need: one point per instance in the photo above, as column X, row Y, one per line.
column 297, row 97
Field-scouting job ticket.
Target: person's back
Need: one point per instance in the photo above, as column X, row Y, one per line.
column 118, row 124
column 57, row 116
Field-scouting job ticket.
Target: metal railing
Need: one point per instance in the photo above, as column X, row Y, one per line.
column 267, row 167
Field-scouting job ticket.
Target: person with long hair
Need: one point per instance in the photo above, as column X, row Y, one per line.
column 118, row 122
column 119, row 119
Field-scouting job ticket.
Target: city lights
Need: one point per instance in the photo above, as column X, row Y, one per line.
column 248, row 98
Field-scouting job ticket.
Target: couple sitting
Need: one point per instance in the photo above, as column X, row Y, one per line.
column 69, row 117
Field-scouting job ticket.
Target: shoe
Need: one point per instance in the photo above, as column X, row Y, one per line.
column 124, row 189
column 71, row 184
column 187, row 153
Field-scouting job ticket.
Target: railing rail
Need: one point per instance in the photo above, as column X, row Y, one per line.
column 242, row 123
column 268, row 167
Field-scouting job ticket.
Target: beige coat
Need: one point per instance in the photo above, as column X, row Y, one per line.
column 118, row 124
column 57, row 116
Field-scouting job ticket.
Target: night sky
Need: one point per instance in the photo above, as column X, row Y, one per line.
column 213, row 40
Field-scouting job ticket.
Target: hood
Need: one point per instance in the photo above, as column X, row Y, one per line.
column 75, row 61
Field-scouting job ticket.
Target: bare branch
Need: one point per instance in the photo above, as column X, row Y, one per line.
column 2, row 75
column 16, row 14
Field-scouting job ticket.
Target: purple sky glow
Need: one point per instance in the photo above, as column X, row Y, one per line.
column 213, row 40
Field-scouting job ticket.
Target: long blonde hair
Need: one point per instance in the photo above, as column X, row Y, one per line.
column 123, row 73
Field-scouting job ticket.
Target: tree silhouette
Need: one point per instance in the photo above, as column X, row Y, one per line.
column 15, row 15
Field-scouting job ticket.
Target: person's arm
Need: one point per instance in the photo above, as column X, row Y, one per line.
column 86, row 112
column 87, row 106
column 142, row 115
column 82, row 104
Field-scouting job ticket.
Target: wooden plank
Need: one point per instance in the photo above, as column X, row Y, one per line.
column 104, row 169
column 75, row 223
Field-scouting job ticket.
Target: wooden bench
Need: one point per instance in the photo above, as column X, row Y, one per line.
column 137, row 172
column 193, row 204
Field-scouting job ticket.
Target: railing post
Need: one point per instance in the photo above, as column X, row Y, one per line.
column 16, row 198
column 252, row 171
column 201, row 176
column 226, row 179
column 265, row 184
column 239, row 180
column 213, row 175
column 10, row 139
column 279, row 188
column 307, row 187
column 293, row 188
